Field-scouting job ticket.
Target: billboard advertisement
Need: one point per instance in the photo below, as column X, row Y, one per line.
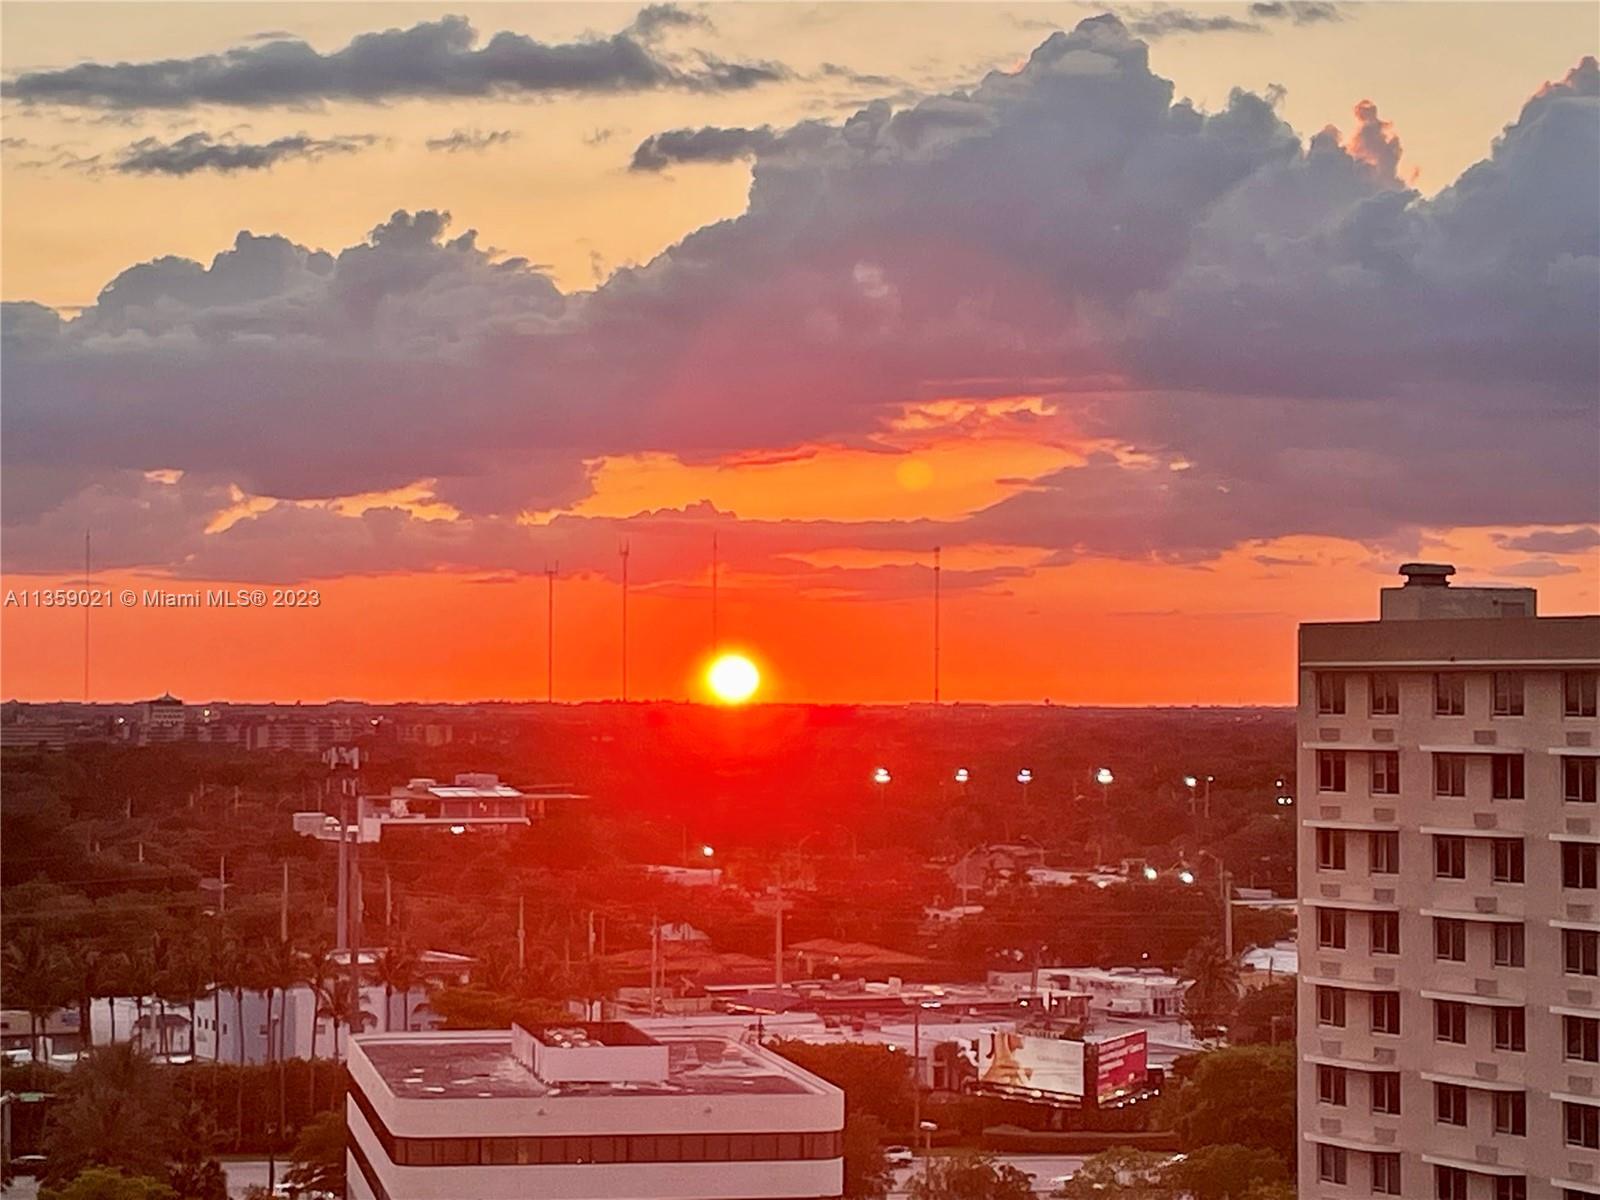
column 1121, row 1065
column 1019, row 1062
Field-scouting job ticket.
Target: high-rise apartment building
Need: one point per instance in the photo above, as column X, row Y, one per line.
column 1449, row 1018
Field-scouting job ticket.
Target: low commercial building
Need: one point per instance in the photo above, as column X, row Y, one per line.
column 597, row 1110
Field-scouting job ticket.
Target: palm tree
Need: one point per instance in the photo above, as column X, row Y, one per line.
column 82, row 969
column 315, row 973
column 398, row 970
column 113, row 974
column 33, row 980
column 116, row 1109
column 277, row 967
column 1213, row 987
column 342, row 1005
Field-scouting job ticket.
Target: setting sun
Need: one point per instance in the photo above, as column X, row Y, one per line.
column 733, row 678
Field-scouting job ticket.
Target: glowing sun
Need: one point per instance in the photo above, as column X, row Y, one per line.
column 732, row 678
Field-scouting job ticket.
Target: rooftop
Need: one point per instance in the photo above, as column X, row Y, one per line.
column 481, row 1064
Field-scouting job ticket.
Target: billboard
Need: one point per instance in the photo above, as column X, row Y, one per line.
column 1121, row 1065
column 1020, row 1062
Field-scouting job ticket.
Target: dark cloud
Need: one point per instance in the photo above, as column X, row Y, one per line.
column 1553, row 541
column 661, row 150
column 202, row 152
column 434, row 58
column 1165, row 21
column 471, row 139
column 1297, row 12
column 1256, row 336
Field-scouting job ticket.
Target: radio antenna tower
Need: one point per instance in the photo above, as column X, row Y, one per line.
column 86, row 617
column 936, row 624
column 716, row 640
column 550, row 633
column 623, row 552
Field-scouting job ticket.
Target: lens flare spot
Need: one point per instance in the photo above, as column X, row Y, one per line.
column 733, row 678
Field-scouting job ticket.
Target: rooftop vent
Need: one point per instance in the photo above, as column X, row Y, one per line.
column 1423, row 574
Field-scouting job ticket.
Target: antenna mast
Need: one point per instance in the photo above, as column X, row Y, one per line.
column 716, row 640
column 936, row 624
column 624, row 553
column 550, row 633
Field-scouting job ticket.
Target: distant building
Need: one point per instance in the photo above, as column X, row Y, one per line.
column 163, row 719
column 598, row 1109
column 1128, row 991
column 1449, row 1018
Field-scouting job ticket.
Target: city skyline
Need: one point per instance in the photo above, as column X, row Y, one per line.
column 1196, row 373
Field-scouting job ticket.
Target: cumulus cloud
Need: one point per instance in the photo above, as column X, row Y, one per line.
column 1297, row 12
column 203, row 152
column 1258, row 336
column 1163, row 21
column 471, row 139
column 432, row 58
column 1553, row 541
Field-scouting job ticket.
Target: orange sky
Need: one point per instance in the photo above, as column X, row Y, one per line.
column 836, row 620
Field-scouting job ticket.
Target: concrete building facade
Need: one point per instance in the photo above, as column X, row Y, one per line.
column 598, row 1110
column 1449, row 1016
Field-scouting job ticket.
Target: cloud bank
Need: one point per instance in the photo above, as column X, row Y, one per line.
column 1253, row 335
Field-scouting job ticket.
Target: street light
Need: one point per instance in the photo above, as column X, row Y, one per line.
column 1150, row 873
column 1186, row 876
column 1024, row 777
column 962, row 775
column 881, row 776
column 707, row 852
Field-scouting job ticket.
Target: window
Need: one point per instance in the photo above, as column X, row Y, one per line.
column 1510, row 946
column 1510, row 1187
column 1578, row 693
column 1507, row 693
column 1331, row 1085
column 1449, row 1104
column 1330, row 1006
column 1578, row 779
column 1330, row 694
column 1385, row 1174
column 1505, row 770
column 1384, row 695
column 1580, row 951
column 1386, row 1092
column 1511, row 1113
column 1385, row 1012
column 1330, row 928
column 1385, row 772
column 1330, row 849
column 1330, row 770
column 1450, row 1022
column 1583, row 1125
column 1582, row 1036
column 1511, row 1029
column 1449, row 856
column 1449, row 694
column 1383, row 932
column 1449, row 1183
column 1505, row 859
column 1383, row 852
column 1450, row 939
column 1332, row 1164
column 1449, row 774
column 1580, row 865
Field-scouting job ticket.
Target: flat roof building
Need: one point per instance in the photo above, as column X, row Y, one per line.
column 588, row 1111
column 1449, row 864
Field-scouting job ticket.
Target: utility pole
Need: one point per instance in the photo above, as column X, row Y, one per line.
column 86, row 617
column 283, row 905
column 388, row 906
column 936, row 624
column 777, row 957
column 1227, row 909
column 550, row 634
column 222, row 887
column 341, row 915
column 655, row 959
column 624, row 553
column 522, row 934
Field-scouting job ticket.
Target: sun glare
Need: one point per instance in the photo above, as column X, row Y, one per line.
column 733, row 678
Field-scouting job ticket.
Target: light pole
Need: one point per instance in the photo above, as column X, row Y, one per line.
column 1225, row 896
column 1190, row 782
column 962, row 775
column 1105, row 779
column 881, row 779
column 1024, row 777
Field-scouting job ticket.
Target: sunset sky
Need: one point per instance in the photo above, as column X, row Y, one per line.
column 1171, row 326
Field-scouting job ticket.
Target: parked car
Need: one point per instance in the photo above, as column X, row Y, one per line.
column 898, row 1156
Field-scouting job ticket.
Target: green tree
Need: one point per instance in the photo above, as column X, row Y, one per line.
column 970, row 1177
column 317, row 1162
column 478, row 1008
column 866, row 1170
column 104, row 1183
column 1213, row 986
column 1241, row 1095
column 398, row 971
column 1265, row 1014
column 115, row 1109
column 1225, row 1172
column 33, row 981
column 875, row 1079
column 1120, row 1173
